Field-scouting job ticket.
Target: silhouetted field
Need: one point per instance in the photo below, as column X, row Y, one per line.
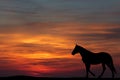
column 52, row 78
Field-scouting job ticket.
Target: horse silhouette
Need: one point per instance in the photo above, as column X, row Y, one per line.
column 89, row 58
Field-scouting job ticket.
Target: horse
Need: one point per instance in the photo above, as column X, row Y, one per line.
column 89, row 58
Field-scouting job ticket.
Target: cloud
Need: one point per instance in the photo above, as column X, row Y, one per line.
column 62, row 62
column 23, row 12
column 19, row 12
column 58, row 37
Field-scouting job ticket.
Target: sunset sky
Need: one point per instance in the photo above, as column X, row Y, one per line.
column 38, row 36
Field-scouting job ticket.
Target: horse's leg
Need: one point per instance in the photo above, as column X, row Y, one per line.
column 111, row 68
column 104, row 68
column 92, row 73
column 87, row 69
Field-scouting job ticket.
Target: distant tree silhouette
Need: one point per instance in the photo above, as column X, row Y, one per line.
column 89, row 58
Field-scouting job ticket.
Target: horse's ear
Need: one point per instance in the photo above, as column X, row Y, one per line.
column 76, row 44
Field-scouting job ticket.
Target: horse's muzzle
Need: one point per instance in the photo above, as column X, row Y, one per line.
column 72, row 53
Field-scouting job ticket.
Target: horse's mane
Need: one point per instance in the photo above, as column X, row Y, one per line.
column 85, row 50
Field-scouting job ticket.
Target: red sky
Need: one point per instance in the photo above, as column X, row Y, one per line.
column 37, row 37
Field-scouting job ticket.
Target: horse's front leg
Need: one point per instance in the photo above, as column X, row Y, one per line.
column 87, row 69
column 92, row 73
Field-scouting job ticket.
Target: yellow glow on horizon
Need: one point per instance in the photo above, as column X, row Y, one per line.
column 46, row 39
column 29, row 41
column 42, row 55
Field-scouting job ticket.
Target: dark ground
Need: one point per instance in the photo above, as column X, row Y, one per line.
column 52, row 78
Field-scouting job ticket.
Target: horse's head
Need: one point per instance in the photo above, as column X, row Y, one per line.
column 75, row 50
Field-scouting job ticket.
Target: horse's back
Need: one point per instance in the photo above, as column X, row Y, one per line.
column 104, row 56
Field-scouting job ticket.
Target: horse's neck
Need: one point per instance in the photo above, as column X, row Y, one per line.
column 85, row 53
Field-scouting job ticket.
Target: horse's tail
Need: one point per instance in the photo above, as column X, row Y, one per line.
column 113, row 68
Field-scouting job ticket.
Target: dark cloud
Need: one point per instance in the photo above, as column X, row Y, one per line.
column 19, row 12
column 113, row 35
column 4, row 61
column 22, row 12
column 31, row 28
column 63, row 74
column 6, row 73
column 28, row 45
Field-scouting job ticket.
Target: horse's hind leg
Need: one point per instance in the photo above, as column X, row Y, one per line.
column 104, row 68
column 111, row 68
